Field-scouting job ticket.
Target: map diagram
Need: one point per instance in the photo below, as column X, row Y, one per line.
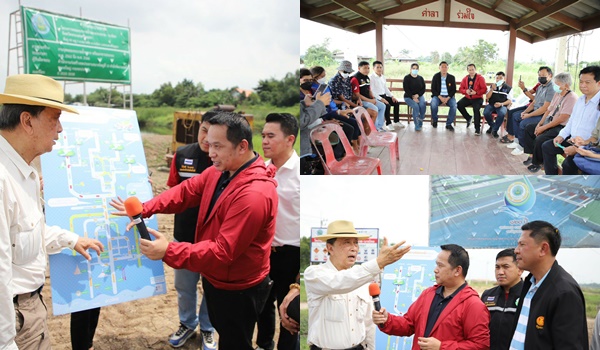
column 402, row 283
column 99, row 156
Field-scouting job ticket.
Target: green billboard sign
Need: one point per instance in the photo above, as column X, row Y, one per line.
column 75, row 49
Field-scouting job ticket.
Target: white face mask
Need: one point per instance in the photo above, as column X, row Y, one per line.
column 499, row 83
column 345, row 75
column 323, row 81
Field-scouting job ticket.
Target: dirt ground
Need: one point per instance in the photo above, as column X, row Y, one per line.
column 140, row 324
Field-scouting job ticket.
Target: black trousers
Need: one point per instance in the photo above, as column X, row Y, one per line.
column 285, row 266
column 533, row 144
column 83, row 328
column 476, row 103
column 388, row 108
column 234, row 313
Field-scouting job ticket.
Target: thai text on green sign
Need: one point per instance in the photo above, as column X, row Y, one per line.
column 69, row 48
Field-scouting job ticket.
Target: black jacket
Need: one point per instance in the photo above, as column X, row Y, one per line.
column 436, row 84
column 557, row 318
column 502, row 314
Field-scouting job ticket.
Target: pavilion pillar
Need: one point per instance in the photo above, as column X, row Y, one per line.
column 379, row 39
column 510, row 62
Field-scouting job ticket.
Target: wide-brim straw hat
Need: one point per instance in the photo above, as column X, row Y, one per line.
column 341, row 229
column 34, row 90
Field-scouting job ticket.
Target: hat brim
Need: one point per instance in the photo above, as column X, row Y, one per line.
column 325, row 237
column 33, row 101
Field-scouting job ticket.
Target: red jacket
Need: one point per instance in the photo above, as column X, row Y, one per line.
column 480, row 87
column 462, row 325
column 233, row 244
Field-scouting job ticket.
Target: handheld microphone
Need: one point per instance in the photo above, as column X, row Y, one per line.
column 134, row 209
column 374, row 291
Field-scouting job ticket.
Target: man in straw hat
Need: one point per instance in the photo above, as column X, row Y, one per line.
column 339, row 304
column 29, row 126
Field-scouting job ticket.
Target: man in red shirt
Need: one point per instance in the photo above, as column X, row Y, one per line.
column 449, row 315
column 473, row 87
column 236, row 223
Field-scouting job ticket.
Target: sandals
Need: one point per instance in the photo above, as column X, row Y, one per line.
column 505, row 139
column 534, row 168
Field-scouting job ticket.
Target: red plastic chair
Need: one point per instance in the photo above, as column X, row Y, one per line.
column 376, row 139
column 351, row 164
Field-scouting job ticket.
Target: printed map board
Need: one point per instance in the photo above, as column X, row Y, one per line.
column 367, row 248
column 75, row 49
column 98, row 156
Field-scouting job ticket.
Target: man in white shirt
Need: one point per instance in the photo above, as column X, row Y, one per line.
column 339, row 304
column 278, row 138
column 382, row 93
column 29, row 126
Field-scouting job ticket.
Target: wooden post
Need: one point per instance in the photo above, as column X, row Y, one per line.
column 510, row 62
column 379, row 38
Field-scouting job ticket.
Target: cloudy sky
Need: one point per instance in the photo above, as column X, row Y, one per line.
column 399, row 207
column 219, row 43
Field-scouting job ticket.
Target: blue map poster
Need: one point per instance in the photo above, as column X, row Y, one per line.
column 99, row 156
column 402, row 283
column 487, row 211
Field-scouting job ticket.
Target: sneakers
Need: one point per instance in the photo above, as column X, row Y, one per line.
column 389, row 127
column 182, row 334
column 449, row 128
column 477, row 132
column 488, row 131
column 469, row 121
column 495, row 134
column 208, row 340
column 517, row 152
column 434, row 124
column 528, row 160
column 514, row 144
column 399, row 125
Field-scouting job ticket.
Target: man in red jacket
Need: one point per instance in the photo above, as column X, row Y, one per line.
column 449, row 315
column 473, row 87
column 236, row 223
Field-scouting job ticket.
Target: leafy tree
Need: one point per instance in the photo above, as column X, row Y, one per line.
column 479, row 54
column 319, row 55
column 304, row 253
column 446, row 57
column 280, row 93
column 186, row 90
column 435, row 57
column 165, row 95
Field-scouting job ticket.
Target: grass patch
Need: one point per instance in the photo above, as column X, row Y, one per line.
column 592, row 301
column 303, row 329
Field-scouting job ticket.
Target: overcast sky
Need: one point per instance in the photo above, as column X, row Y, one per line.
column 421, row 41
column 219, row 43
column 399, row 207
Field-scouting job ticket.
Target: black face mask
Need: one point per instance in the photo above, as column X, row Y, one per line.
column 542, row 80
column 306, row 86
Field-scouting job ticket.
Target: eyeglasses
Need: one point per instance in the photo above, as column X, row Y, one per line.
column 347, row 72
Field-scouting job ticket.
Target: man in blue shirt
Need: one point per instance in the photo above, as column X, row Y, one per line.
column 581, row 123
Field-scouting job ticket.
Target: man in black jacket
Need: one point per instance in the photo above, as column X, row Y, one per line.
column 443, row 89
column 499, row 97
column 551, row 307
column 503, row 299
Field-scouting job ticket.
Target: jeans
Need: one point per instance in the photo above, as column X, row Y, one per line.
column 523, row 124
column 380, row 108
column 476, row 103
column 418, row 109
column 186, row 285
column 500, row 113
column 435, row 103
column 510, row 115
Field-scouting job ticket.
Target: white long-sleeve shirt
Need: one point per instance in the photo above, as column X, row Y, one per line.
column 24, row 237
column 379, row 86
column 339, row 305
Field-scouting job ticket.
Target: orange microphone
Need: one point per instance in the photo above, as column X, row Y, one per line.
column 374, row 291
column 134, row 209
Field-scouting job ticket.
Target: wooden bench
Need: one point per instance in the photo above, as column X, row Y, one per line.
column 396, row 85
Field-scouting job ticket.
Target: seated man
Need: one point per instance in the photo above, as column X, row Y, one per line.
column 443, row 89
column 449, row 315
column 364, row 94
column 472, row 87
column 382, row 93
column 337, row 292
column 552, row 122
column 509, row 138
column 533, row 113
column 581, row 123
column 587, row 158
column 499, row 97
column 414, row 89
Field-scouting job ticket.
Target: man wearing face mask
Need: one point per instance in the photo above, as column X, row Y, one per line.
column 555, row 118
column 499, row 97
column 534, row 112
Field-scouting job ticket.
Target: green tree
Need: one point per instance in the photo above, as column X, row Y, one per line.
column 165, row 95
column 186, row 90
column 446, row 56
column 304, row 253
column 319, row 55
column 435, row 57
column 480, row 54
column 279, row 93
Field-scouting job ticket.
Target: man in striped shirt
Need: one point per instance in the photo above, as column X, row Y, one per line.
column 552, row 311
column 502, row 300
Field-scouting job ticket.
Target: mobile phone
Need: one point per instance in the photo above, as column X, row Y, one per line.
column 519, row 77
column 559, row 145
column 320, row 89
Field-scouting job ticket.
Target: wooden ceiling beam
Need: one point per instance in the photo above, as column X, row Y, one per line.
column 323, row 10
column 357, row 9
column 486, row 10
column 534, row 6
column 405, row 7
